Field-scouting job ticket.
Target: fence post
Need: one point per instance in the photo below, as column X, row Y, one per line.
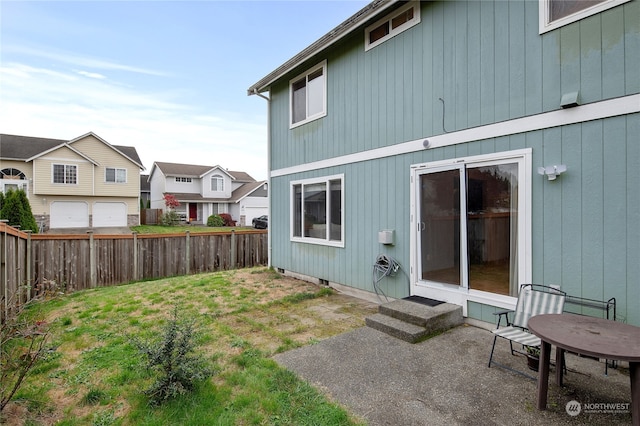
column 92, row 261
column 187, row 253
column 234, row 249
column 5, row 273
column 28, row 266
column 135, row 255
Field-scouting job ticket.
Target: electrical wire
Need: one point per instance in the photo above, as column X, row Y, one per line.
column 385, row 266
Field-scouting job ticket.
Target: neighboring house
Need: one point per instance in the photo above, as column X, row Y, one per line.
column 145, row 190
column 416, row 130
column 207, row 190
column 78, row 183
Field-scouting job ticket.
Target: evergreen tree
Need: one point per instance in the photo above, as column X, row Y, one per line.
column 28, row 221
column 17, row 210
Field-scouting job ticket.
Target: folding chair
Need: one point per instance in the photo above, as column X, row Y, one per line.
column 533, row 299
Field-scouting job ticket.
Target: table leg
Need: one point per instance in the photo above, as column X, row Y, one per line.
column 634, row 373
column 559, row 365
column 543, row 375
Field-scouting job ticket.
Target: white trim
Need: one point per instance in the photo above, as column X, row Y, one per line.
column 543, row 10
column 392, row 32
column 308, row 118
column 594, row 111
column 310, row 240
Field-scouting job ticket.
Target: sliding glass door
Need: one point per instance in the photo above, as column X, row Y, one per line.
column 468, row 226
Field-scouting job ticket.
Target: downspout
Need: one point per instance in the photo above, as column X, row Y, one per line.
column 255, row 92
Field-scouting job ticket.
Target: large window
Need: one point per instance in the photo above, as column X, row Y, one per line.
column 393, row 24
column 65, row 173
column 556, row 13
column 114, row 175
column 217, row 183
column 309, row 95
column 316, row 211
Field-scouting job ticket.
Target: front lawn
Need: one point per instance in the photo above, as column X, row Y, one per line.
column 92, row 373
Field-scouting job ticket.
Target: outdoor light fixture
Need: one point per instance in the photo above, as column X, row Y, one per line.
column 552, row 171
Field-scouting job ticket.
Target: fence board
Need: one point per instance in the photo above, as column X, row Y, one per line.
column 66, row 259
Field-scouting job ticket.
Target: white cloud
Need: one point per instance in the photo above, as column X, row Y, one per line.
column 82, row 61
column 91, row 74
column 45, row 103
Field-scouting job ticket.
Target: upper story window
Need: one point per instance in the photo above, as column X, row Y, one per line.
column 183, row 179
column 115, row 175
column 391, row 25
column 309, row 95
column 316, row 211
column 556, row 13
column 65, row 173
column 217, row 183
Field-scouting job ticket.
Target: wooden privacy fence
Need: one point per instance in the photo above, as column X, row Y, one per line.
column 33, row 264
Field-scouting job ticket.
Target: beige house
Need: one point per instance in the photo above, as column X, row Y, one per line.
column 78, row 183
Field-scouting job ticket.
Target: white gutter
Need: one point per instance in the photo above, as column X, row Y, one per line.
column 268, row 99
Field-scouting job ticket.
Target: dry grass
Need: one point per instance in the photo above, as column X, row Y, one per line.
column 253, row 309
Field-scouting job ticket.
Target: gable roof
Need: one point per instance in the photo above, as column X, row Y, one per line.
column 236, row 196
column 360, row 18
column 25, row 148
column 196, row 171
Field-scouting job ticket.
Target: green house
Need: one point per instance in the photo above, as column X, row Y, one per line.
column 472, row 145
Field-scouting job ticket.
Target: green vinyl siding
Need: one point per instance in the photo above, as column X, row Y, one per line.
column 485, row 60
column 488, row 63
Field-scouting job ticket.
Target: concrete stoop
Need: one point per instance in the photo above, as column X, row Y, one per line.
column 414, row 322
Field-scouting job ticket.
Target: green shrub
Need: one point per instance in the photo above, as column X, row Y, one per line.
column 172, row 360
column 169, row 218
column 215, row 220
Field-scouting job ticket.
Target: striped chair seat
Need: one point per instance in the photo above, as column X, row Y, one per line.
column 517, row 335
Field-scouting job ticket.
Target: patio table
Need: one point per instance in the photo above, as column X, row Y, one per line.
column 590, row 336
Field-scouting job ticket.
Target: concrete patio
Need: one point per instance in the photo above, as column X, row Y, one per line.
column 445, row 380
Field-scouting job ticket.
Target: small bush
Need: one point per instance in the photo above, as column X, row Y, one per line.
column 176, row 367
column 228, row 221
column 170, row 218
column 215, row 220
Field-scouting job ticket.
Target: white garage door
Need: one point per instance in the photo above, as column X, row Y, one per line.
column 109, row 214
column 253, row 212
column 69, row 214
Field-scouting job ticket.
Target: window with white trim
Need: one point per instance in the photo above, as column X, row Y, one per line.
column 65, row 174
column 557, row 13
column 183, row 179
column 308, row 95
column 317, row 212
column 217, row 183
column 391, row 25
column 115, row 175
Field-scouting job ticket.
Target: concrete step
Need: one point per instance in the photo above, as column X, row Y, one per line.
column 413, row 322
column 397, row 328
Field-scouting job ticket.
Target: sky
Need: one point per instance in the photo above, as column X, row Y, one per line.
column 169, row 78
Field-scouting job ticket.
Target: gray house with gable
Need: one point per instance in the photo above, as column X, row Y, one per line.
column 479, row 145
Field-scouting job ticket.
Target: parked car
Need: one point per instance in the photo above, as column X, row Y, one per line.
column 261, row 222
